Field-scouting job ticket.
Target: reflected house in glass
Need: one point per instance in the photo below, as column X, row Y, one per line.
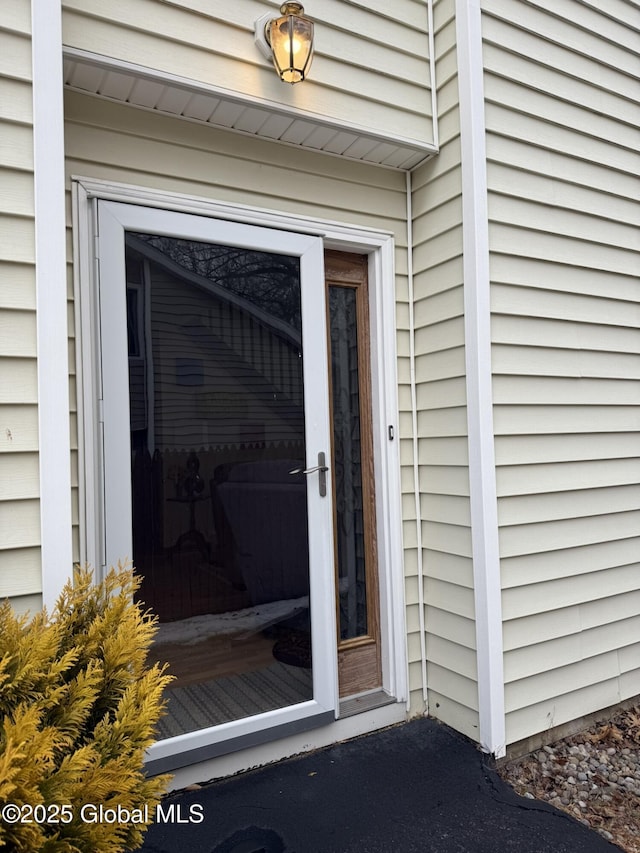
column 218, row 377
column 217, row 424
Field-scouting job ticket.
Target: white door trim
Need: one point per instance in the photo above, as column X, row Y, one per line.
column 335, row 235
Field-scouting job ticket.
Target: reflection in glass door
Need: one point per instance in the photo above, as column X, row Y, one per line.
column 217, row 425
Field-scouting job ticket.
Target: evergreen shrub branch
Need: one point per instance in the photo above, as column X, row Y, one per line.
column 78, row 708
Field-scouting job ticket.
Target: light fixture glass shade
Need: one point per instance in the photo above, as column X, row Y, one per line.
column 291, row 39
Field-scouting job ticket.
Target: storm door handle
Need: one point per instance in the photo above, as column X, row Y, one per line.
column 321, row 468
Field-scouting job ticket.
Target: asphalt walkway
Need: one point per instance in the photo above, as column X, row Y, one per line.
column 415, row 788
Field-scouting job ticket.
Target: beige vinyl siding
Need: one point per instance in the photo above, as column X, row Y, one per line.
column 369, row 69
column 442, row 415
column 20, row 572
column 120, row 143
column 111, row 141
column 562, row 143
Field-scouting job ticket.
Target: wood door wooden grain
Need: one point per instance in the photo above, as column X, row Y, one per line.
column 359, row 664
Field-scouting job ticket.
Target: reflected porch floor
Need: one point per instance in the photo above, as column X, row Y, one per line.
column 225, row 678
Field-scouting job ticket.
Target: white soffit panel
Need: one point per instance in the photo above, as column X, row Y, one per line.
column 152, row 90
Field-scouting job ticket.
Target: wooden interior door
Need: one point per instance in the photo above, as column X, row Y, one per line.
column 357, row 599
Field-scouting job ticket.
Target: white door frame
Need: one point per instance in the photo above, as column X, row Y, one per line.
column 379, row 246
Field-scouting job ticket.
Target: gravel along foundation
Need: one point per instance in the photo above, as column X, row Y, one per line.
column 594, row 776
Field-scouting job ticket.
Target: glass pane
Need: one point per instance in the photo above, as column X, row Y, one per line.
column 219, row 523
column 347, row 463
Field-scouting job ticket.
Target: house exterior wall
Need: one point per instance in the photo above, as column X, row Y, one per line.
column 561, row 107
column 441, row 402
column 369, row 70
column 561, row 114
column 20, row 575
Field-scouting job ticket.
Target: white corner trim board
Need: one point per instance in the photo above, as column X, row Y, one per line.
column 51, row 300
column 482, row 478
column 432, row 71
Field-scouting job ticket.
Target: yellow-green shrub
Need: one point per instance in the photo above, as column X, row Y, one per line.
column 78, row 707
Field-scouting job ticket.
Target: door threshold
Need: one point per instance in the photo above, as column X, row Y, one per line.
column 364, row 702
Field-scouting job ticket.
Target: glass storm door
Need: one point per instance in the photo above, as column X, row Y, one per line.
column 216, row 435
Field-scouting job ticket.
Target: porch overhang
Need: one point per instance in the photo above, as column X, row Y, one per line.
column 157, row 91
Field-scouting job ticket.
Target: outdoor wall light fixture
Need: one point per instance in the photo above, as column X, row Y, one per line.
column 287, row 41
